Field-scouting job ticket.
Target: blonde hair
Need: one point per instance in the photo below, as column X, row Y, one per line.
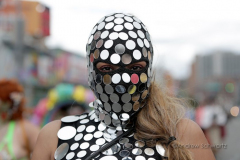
column 159, row 119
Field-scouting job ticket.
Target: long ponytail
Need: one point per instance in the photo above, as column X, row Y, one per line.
column 159, row 119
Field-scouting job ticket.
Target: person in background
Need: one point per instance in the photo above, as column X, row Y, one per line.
column 17, row 134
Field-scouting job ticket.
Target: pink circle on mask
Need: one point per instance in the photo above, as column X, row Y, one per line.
column 134, row 78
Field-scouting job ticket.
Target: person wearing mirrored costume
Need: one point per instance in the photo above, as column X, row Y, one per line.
column 132, row 118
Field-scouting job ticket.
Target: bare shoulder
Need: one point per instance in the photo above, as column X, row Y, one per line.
column 47, row 141
column 191, row 136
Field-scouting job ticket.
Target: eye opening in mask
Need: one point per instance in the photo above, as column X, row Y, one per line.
column 134, row 67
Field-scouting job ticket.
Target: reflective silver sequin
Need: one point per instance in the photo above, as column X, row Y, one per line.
column 124, row 153
column 101, row 25
column 116, row 78
column 113, row 150
column 104, row 34
column 137, row 25
column 140, row 144
column 123, row 36
column 70, row 155
column 126, row 98
column 126, row 59
column 98, row 134
column 116, row 107
column 146, row 43
column 84, row 121
column 108, row 19
column 137, row 151
column 78, row 137
column 160, row 149
column 108, row 44
column 120, row 89
column 113, row 35
column 90, row 128
column 84, row 145
column 104, row 97
column 69, row 119
column 107, row 107
column 104, row 54
column 114, row 98
column 115, row 58
column 61, row 151
column 99, row 43
column 132, row 34
column 74, row 146
column 149, row 151
column 140, row 42
column 109, row 89
column 100, row 141
column 118, row 28
column 66, row 133
column 81, row 128
column 96, row 35
column 140, row 158
column 99, row 88
column 119, row 48
column 81, row 154
column 94, row 148
column 141, row 34
column 123, row 140
column 128, row 26
column 129, row 19
column 127, row 107
column 137, row 54
column 118, row 20
column 130, row 44
column 88, row 137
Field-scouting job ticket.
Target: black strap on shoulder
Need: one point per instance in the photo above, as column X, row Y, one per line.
column 110, row 144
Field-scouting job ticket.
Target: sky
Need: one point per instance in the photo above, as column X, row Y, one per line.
column 179, row 29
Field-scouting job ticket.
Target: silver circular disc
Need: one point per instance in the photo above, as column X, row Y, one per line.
column 126, row 78
column 127, row 107
column 126, row 98
column 90, row 128
column 69, row 119
column 101, row 25
column 128, row 26
column 96, row 35
column 74, row 146
column 102, row 127
column 130, row 44
column 118, row 28
column 140, row 158
column 84, row 145
column 116, row 78
column 104, row 97
column 100, row 141
column 108, row 19
column 136, row 19
column 107, row 107
column 98, row 134
column 141, row 34
column 137, row 54
column 108, row 44
column 137, row 151
column 132, row 34
column 140, row 42
column 129, row 19
column 120, row 89
column 126, row 59
column 115, row 58
column 116, row 107
column 99, row 43
column 107, row 120
column 94, row 148
column 66, row 133
column 146, row 43
column 81, row 128
column 140, row 144
column 99, row 88
column 109, row 89
column 124, row 117
column 123, row 36
column 81, row 154
column 104, row 34
column 104, row 54
column 113, row 36
column 149, row 151
column 114, row 98
column 84, row 121
column 137, row 25
column 70, row 155
column 118, row 20
column 88, row 137
column 119, row 49
column 90, row 39
column 119, row 15
column 101, row 19
column 61, row 151
column 94, row 29
column 78, row 137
